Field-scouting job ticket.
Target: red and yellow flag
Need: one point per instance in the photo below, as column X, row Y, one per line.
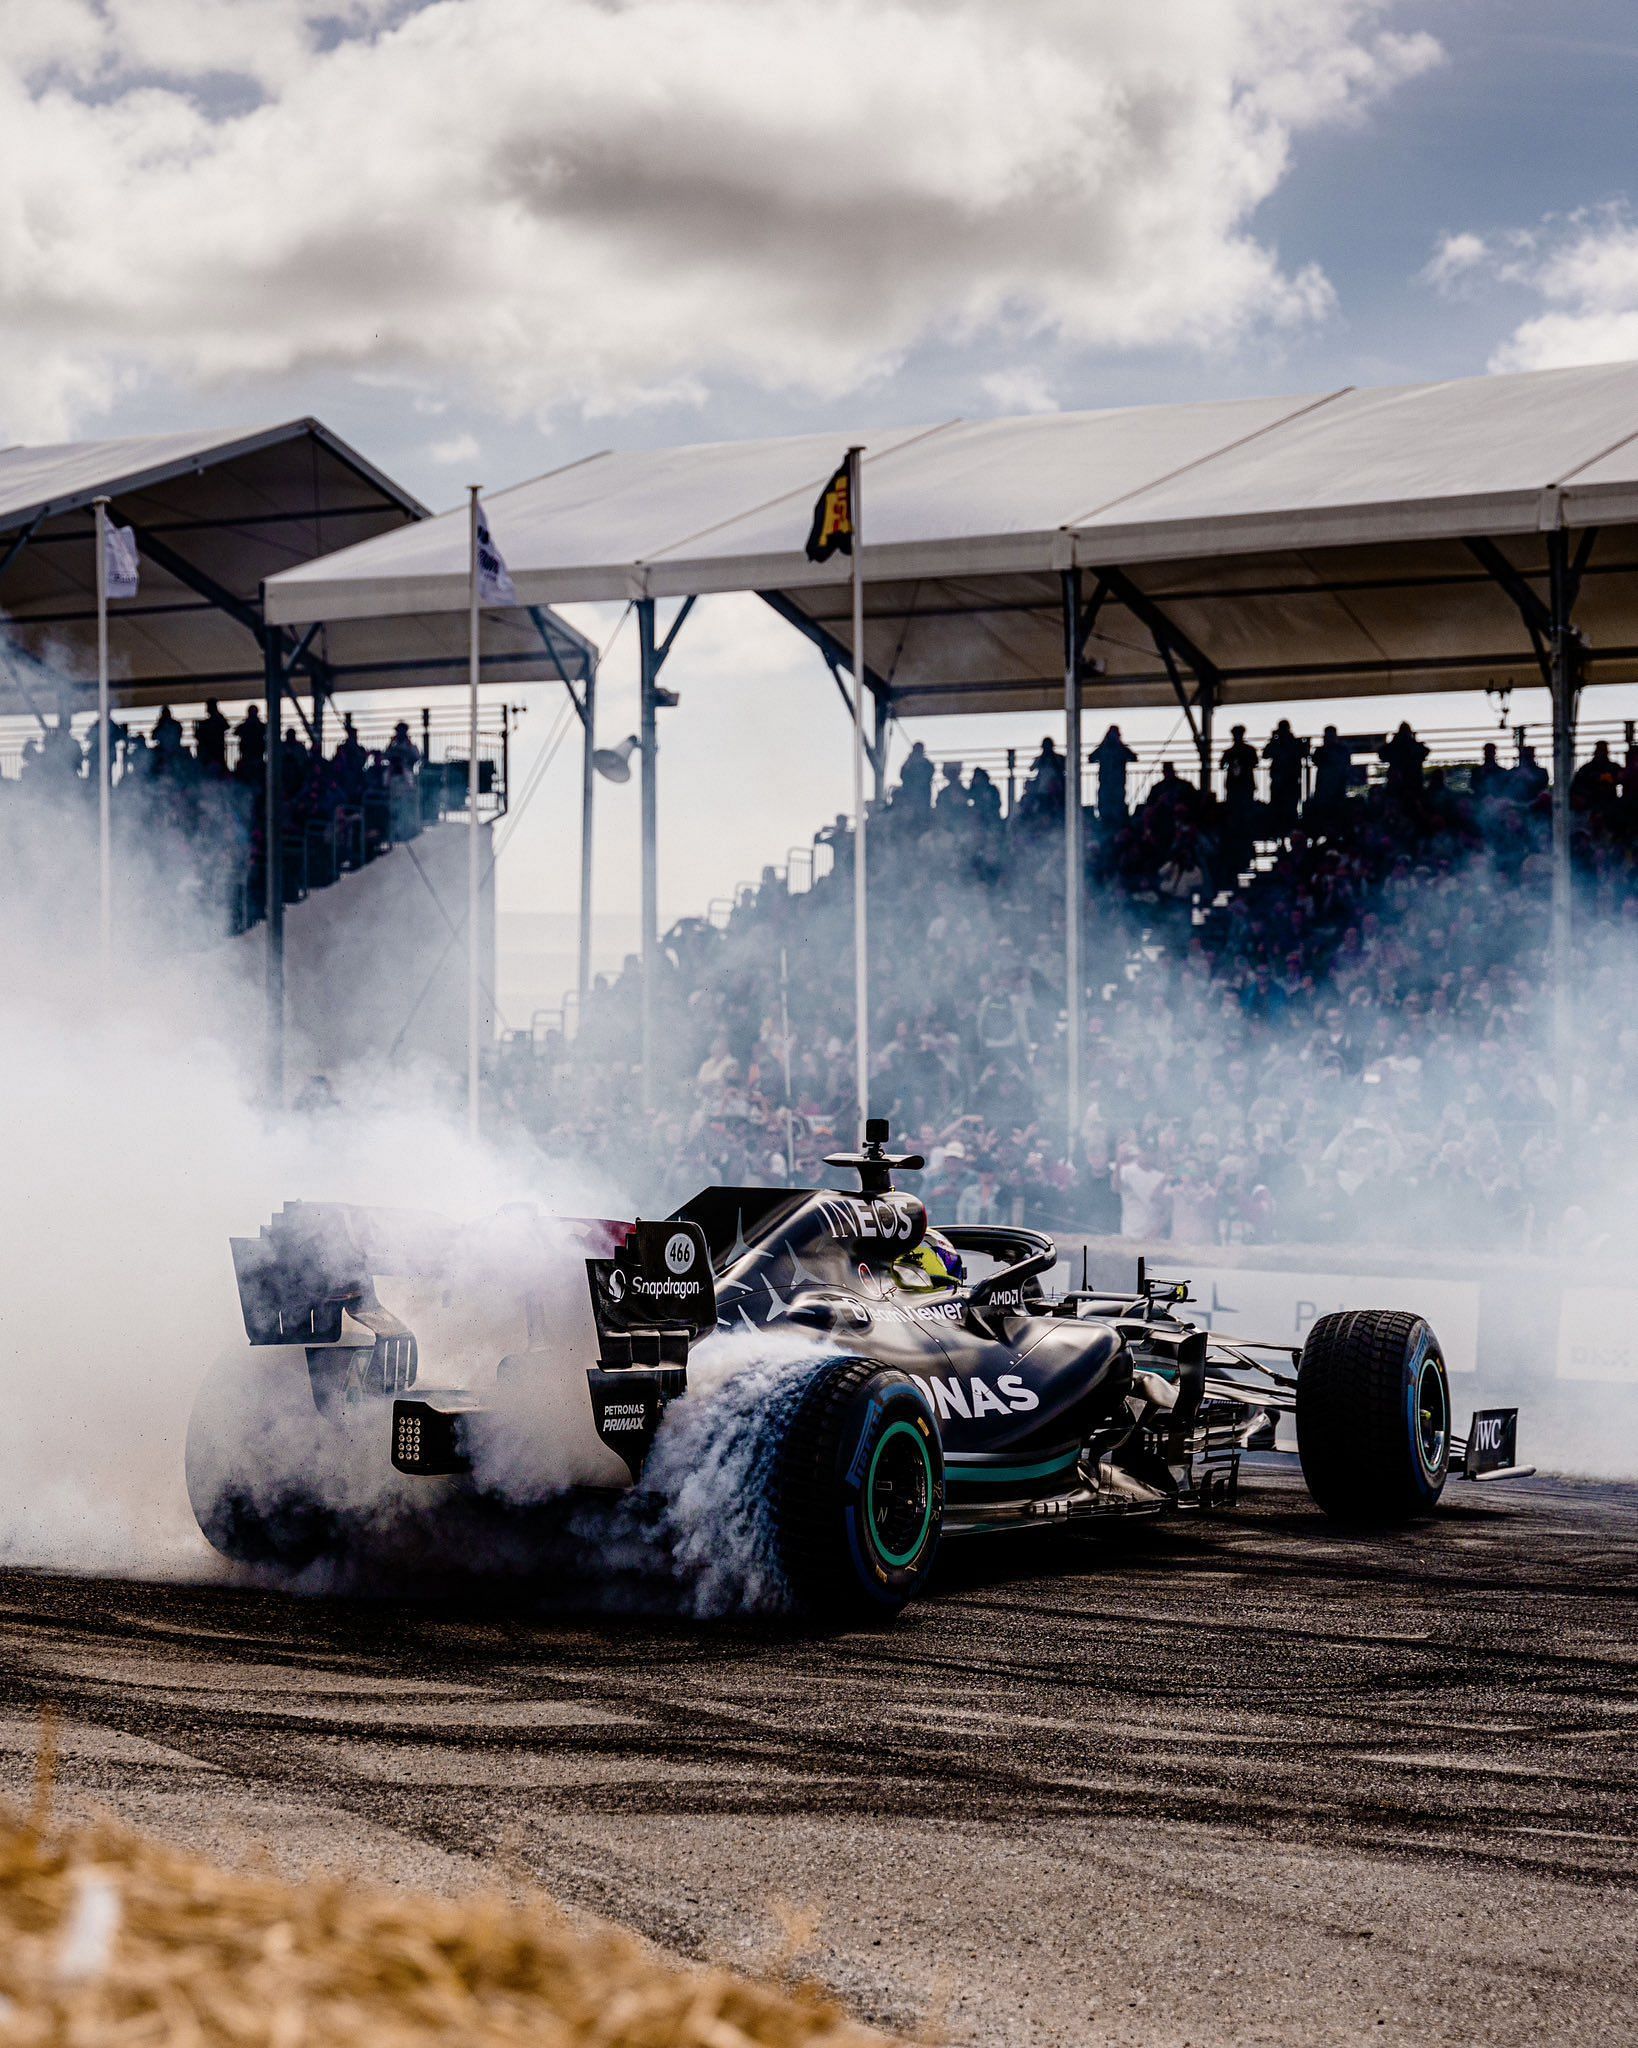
column 832, row 529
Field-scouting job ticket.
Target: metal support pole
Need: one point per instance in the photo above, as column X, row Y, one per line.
column 785, row 1058
column 1564, row 668
column 861, row 884
column 1207, row 701
column 588, row 790
column 105, row 758
column 650, row 848
column 878, row 750
column 273, row 865
column 473, row 879
column 1074, row 862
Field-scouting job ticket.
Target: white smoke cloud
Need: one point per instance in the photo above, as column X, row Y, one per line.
column 557, row 202
column 135, row 1146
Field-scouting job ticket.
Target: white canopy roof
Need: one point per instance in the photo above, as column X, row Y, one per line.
column 1305, row 546
column 215, row 515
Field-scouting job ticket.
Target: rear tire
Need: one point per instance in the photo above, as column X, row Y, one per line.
column 256, row 1450
column 857, row 1492
column 1373, row 1416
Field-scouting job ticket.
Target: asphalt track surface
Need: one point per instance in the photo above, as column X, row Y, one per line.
column 1212, row 1781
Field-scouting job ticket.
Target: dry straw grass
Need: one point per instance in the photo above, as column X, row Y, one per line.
column 112, row 1939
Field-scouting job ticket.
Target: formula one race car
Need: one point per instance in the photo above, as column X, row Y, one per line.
column 895, row 1399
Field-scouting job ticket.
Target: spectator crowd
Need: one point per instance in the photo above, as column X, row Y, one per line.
column 197, row 811
column 1319, row 1014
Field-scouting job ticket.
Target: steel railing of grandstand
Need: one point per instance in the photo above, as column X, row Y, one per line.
column 1448, row 747
column 441, row 733
column 1008, row 767
column 318, row 851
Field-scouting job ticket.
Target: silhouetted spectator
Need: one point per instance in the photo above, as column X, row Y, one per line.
column 1528, row 779
column 1629, row 790
column 167, row 741
column 1285, row 754
column 984, row 804
column 1332, row 761
column 1172, row 792
column 1042, row 802
column 403, row 755
column 951, row 805
column 1595, row 787
column 60, row 757
column 1489, row 777
column 1239, row 771
column 1404, row 755
column 1113, row 757
column 293, row 766
column 210, row 738
column 915, row 790
column 251, row 734
column 350, row 760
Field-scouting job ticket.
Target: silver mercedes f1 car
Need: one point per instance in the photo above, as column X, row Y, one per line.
column 914, row 1385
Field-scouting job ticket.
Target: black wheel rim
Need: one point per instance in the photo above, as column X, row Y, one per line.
column 899, row 1493
column 1432, row 1412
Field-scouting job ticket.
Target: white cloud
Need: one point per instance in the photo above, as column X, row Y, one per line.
column 1024, row 389
column 1582, row 270
column 1456, row 257
column 539, row 204
column 458, row 448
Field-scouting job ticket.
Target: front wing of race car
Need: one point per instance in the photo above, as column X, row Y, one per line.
column 1241, row 1374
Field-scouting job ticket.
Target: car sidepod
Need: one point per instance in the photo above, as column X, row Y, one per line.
column 1015, row 1414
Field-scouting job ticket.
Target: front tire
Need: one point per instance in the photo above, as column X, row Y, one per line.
column 1373, row 1416
column 858, row 1492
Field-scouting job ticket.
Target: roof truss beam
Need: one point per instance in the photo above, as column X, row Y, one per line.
column 538, row 615
column 1089, row 616
column 837, row 658
column 1532, row 607
column 18, row 545
column 1535, row 610
column 1208, row 676
column 827, row 643
column 676, row 626
column 236, row 608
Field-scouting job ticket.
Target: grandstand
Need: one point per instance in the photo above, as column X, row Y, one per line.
column 1295, row 984
column 1339, row 545
column 189, row 794
column 214, row 517
column 1341, row 1040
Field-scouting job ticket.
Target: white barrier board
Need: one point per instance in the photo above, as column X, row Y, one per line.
column 1281, row 1308
column 1598, row 1334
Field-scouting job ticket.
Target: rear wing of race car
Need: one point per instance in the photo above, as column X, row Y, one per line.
column 303, row 1268
column 651, row 1283
column 314, row 1260
column 654, row 1295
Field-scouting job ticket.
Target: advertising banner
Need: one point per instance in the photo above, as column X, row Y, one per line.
column 1598, row 1334
column 1280, row 1308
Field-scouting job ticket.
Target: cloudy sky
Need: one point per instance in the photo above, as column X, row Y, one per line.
column 481, row 237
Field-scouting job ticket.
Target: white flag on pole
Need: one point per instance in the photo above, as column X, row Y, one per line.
column 120, row 560
column 494, row 582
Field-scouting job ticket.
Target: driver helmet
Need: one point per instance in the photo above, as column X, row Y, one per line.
column 940, row 1260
